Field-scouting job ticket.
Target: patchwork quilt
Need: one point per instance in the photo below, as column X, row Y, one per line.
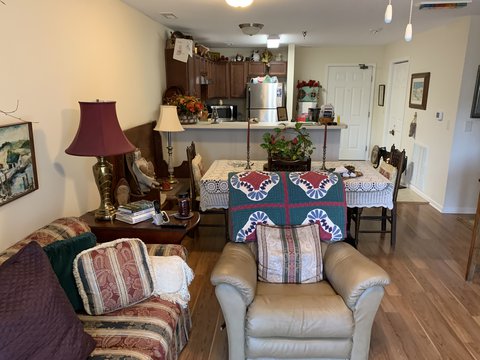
column 286, row 198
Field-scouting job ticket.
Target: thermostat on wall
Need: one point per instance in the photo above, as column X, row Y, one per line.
column 439, row 115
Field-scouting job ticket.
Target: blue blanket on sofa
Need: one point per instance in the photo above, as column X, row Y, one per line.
column 286, row 198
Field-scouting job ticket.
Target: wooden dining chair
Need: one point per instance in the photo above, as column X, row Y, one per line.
column 392, row 169
column 195, row 166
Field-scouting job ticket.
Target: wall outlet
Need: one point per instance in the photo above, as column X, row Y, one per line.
column 439, row 115
column 468, row 126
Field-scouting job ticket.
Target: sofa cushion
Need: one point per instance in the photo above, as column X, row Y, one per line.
column 286, row 198
column 299, row 316
column 289, row 254
column 113, row 275
column 37, row 320
column 61, row 254
column 59, row 229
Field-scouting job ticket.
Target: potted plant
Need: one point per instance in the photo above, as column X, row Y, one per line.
column 287, row 152
column 189, row 108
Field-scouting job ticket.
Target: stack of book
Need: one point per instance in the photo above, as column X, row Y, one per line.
column 135, row 212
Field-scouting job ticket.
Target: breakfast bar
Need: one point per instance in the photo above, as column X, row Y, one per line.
column 228, row 140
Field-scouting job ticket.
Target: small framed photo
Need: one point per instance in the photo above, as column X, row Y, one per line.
column 475, row 113
column 381, row 95
column 419, row 91
column 282, row 114
column 18, row 170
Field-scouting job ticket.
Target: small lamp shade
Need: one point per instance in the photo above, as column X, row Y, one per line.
column 99, row 133
column 168, row 120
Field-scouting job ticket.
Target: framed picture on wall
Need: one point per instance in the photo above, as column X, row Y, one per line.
column 282, row 114
column 18, row 171
column 381, row 95
column 475, row 113
column 419, row 91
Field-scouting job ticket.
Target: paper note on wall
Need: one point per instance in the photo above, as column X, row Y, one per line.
column 183, row 48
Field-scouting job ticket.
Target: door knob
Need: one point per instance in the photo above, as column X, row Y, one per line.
column 392, row 132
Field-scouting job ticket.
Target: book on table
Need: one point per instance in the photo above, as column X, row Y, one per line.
column 135, row 218
column 137, row 207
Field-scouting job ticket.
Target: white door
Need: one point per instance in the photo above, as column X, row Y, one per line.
column 349, row 91
column 396, row 97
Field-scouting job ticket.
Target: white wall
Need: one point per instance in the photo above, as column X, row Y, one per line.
column 54, row 54
column 441, row 52
column 464, row 170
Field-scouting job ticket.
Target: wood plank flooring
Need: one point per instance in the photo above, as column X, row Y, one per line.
column 428, row 312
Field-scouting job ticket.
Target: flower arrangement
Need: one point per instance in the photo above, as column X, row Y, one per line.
column 309, row 83
column 186, row 105
column 300, row 147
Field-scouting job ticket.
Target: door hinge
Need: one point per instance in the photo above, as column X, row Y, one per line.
column 369, row 114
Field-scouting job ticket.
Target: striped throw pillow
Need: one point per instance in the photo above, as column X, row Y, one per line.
column 289, row 254
column 113, row 275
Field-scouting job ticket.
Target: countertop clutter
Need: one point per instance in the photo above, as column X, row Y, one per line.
column 234, row 125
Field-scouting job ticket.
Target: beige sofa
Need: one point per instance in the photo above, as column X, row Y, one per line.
column 331, row 319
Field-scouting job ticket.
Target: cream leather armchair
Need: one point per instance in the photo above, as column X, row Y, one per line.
column 331, row 319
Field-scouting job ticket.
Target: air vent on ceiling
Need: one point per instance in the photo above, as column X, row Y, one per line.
column 169, row 16
column 443, row 4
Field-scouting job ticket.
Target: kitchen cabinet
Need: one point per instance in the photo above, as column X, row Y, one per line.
column 277, row 68
column 238, row 79
column 186, row 76
column 222, row 80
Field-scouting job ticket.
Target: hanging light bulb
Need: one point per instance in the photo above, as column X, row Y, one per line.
column 388, row 13
column 408, row 29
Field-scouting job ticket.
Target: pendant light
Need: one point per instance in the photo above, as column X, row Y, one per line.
column 388, row 13
column 239, row 3
column 408, row 29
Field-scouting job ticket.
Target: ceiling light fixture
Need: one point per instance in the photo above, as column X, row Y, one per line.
column 408, row 29
column 239, row 3
column 389, row 13
column 250, row 29
column 273, row 41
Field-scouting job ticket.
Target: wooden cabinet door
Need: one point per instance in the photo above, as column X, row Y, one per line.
column 278, row 68
column 222, row 80
column 256, row 68
column 238, row 79
column 177, row 72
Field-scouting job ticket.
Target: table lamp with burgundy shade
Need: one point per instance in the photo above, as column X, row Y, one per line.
column 99, row 134
column 168, row 122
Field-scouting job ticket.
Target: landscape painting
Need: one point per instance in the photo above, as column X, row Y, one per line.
column 18, row 172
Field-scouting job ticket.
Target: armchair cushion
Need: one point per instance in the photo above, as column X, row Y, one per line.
column 286, row 198
column 113, row 275
column 289, row 254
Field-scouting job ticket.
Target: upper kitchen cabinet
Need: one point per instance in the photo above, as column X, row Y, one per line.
column 222, row 80
column 276, row 68
column 186, row 76
column 238, row 79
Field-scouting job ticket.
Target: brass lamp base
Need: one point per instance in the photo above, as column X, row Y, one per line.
column 102, row 171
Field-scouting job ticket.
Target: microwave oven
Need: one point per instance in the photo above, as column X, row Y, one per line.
column 224, row 112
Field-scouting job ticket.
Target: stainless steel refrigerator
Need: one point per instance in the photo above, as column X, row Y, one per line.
column 263, row 100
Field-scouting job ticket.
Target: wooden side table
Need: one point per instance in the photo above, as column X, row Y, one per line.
column 148, row 232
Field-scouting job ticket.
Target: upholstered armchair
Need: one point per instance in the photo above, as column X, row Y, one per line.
column 327, row 319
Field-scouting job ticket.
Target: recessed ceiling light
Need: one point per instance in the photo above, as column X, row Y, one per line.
column 169, row 16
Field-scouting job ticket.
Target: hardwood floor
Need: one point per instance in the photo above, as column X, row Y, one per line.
column 428, row 312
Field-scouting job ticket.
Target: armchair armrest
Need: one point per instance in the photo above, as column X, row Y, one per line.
column 351, row 273
column 237, row 267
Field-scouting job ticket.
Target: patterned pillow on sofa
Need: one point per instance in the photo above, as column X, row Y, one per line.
column 289, row 254
column 286, row 198
column 113, row 275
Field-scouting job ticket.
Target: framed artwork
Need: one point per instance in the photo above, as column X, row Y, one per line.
column 475, row 113
column 419, row 91
column 381, row 95
column 282, row 114
column 18, row 171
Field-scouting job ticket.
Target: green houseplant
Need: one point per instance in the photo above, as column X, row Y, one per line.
column 288, row 148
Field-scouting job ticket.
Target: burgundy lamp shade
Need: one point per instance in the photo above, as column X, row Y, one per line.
column 99, row 133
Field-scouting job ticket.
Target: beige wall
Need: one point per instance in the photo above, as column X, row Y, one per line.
column 441, row 52
column 54, row 54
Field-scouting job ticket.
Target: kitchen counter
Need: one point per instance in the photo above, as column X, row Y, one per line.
column 228, row 140
column 234, row 125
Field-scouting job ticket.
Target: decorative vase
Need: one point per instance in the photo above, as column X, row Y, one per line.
column 276, row 164
column 188, row 119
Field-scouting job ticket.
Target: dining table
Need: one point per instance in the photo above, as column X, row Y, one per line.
column 368, row 188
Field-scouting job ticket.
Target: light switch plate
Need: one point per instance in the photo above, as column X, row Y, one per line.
column 439, row 115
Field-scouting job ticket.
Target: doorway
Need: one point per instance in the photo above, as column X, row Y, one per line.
column 349, row 90
column 396, row 102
